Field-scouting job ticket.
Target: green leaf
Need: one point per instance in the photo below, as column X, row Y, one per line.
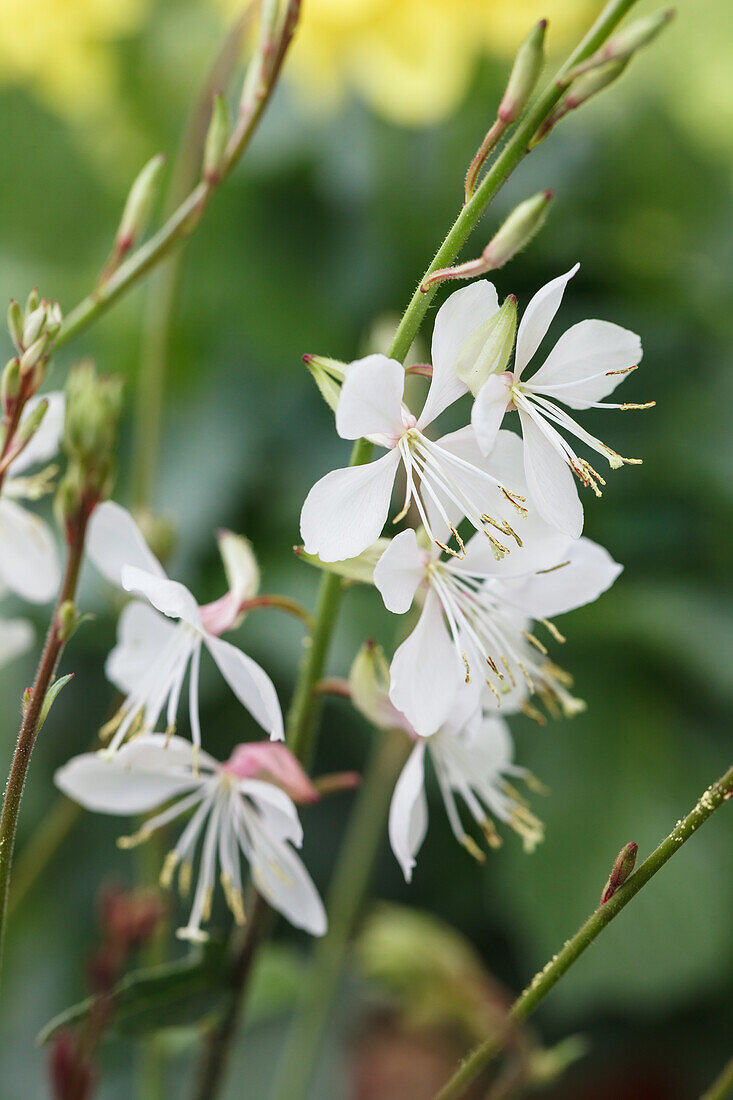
column 172, row 995
column 50, row 699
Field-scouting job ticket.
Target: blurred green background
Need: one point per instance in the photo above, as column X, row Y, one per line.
column 325, row 228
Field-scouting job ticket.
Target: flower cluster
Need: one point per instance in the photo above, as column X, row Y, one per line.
column 496, row 552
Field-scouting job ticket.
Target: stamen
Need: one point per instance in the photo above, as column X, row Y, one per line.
column 626, row 370
column 535, row 642
column 509, row 671
column 552, row 629
column 552, row 569
column 527, row 676
column 472, row 848
column 169, row 865
column 532, row 712
column 468, row 667
column 631, row 405
column 489, row 830
column 514, row 499
column 234, row 899
column 494, row 692
column 185, row 877
column 132, row 841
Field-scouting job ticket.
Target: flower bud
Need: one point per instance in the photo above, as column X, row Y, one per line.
column 590, row 84
column 328, row 375
column 275, row 763
column 33, row 325
column 369, row 686
column 15, row 323
column 622, row 868
column 29, row 426
column 33, row 355
column 139, row 205
column 637, row 34
column 524, row 75
column 10, row 382
column 216, row 141
column 89, row 440
column 31, row 301
column 487, row 350
column 524, row 222
column 66, row 619
column 71, row 1073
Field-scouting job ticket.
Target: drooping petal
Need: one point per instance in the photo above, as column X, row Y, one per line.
column 551, row 486
column 538, row 317
column 133, row 781
column 170, row 597
column 588, row 571
column 288, row 887
column 45, row 443
column 114, row 540
column 250, row 683
column 16, row 637
column 456, row 322
column 370, row 402
column 399, row 572
column 29, row 564
column 488, row 410
column 408, row 812
column 142, row 634
column 587, row 363
column 426, row 672
column 345, row 511
column 276, row 808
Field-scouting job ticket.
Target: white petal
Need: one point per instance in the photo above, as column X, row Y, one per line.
column 457, row 319
column 538, row 317
column 590, row 570
column 29, row 563
column 426, row 672
column 250, row 683
column 399, row 571
column 345, row 511
column 584, row 365
column 408, row 812
column 370, row 402
column 488, row 410
column 115, row 540
column 550, row 480
column 276, row 807
column 45, row 443
column 289, row 888
column 16, row 636
column 117, row 785
column 170, row 597
column 142, row 633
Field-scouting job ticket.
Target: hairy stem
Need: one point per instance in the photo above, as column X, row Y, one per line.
column 52, row 650
column 722, row 1086
column 349, row 885
column 546, row 978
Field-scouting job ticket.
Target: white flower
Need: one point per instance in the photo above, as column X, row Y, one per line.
column 585, row 365
column 231, row 812
column 29, row 564
column 152, row 655
column 346, row 510
column 473, row 629
column 471, row 762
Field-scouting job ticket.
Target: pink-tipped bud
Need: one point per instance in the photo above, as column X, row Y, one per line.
column 623, row 866
column 524, row 75
column 139, row 205
column 524, row 222
column 71, row 1074
column 275, row 763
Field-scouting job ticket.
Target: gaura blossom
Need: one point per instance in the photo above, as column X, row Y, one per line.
column 152, row 655
column 346, row 510
column 237, row 807
column 474, row 626
column 471, row 755
column 586, row 364
column 29, row 564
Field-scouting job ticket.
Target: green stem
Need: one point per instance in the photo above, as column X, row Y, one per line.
column 546, row 978
column 349, row 885
column 722, row 1086
column 52, row 650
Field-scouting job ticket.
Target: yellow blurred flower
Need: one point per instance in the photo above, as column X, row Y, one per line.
column 61, row 49
column 411, row 60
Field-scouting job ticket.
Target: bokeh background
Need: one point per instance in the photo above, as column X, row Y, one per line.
column 321, row 233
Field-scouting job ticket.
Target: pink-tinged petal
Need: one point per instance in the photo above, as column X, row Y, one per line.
column 589, row 571
column 114, row 540
column 170, row 597
column 587, row 363
column 408, row 812
column 538, row 317
column 489, row 408
column 284, row 882
column 142, row 633
column 345, row 511
column 251, row 685
column 243, row 576
column 29, row 564
column 399, row 571
column 549, row 478
column 370, row 402
column 45, row 443
column 16, row 637
column 274, row 762
column 457, row 320
column 426, row 672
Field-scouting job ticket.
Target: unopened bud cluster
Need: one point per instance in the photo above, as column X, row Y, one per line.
column 32, row 330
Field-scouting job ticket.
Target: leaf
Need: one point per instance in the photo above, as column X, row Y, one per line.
column 172, row 995
column 50, row 699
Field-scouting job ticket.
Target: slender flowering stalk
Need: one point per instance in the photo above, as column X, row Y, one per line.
column 545, row 979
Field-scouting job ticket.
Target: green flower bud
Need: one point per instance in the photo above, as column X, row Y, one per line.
column 15, row 323
column 328, row 375
column 32, row 301
column 10, row 382
column 623, row 866
column 30, row 426
column 524, row 222
column 637, row 34
column 139, row 205
column 590, row 84
column 369, row 684
column 487, row 350
column 524, row 75
column 34, row 324
column 89, row 440
column 216, row 141
column 34, row 353
column 66, row 619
